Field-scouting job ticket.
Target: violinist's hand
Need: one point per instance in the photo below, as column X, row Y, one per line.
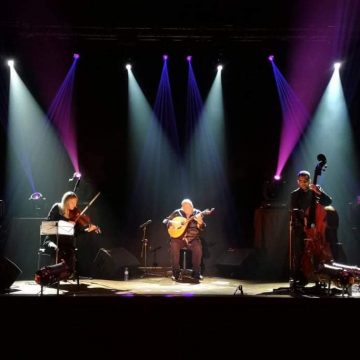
column 91, row 228
column 316, row 189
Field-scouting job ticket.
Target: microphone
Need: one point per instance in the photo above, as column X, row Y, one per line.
column 145, row 224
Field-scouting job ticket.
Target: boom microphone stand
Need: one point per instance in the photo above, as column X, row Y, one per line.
column 291, row 251
column 144, row 245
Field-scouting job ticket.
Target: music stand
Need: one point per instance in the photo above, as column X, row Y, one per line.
column 57, row 228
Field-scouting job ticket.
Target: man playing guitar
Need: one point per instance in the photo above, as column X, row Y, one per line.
column 184, row 226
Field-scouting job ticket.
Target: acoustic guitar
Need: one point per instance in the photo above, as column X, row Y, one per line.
column 179, row 224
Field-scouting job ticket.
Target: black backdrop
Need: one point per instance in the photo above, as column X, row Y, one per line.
column 253, row 115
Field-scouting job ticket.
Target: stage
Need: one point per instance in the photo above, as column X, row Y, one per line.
column 164, row 287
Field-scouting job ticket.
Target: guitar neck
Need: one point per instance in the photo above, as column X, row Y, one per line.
column 194, row 216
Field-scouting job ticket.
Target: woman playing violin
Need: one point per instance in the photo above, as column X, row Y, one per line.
column 66, row 210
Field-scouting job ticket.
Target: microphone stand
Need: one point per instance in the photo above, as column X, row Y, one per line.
column 144, row 250
column 291, row 252
column 77, row 185
column 291, row 260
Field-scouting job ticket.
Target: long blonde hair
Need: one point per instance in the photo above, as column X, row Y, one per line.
column 63, row 205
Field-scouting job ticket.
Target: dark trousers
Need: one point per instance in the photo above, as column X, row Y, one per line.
column 66, row 251
column 196, row 254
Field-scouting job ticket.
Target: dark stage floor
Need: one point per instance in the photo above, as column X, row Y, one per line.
column 147, row 315
column 164, row 287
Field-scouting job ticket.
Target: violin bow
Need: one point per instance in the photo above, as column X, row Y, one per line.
column 89, row 204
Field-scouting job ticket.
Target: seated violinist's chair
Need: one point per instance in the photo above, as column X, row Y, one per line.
column 45, row 259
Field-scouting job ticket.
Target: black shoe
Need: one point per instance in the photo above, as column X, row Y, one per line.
column 299, row 280
column 176, row 276
column 197, row 276
column 301, row 283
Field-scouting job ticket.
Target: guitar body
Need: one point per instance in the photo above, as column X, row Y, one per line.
column 178, row 227
column 179, row 224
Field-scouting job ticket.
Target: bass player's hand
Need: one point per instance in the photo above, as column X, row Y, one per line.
column 315, row 188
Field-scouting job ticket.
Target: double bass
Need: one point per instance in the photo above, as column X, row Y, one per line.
column 317, row 249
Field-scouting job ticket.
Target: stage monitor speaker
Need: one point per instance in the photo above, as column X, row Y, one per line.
column 2, row 209
column 23, row 244
column 236, row 263
column 9, row 272
column 110, row 264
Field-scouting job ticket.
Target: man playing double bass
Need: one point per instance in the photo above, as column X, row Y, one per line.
column 301, row 201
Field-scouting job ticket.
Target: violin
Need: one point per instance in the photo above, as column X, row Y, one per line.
column 79, row 217
column 83, row 220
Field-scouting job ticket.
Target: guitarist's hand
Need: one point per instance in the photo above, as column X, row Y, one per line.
column 199, row 219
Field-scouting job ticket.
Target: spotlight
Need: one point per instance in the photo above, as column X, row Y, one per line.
column 11, row 63
column 128, row 67
column 271, row 58
column 76, row 56
column 76, row 176
column 337, row 65
column 188, row 58
column 36, row 196
column 273, row 192
column 37, row 204
column 165, row 57
column 219, row 67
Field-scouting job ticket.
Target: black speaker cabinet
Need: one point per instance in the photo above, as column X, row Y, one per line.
column 22, row 245
column 9, row 272
column 110, row 264
column 236, row 263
